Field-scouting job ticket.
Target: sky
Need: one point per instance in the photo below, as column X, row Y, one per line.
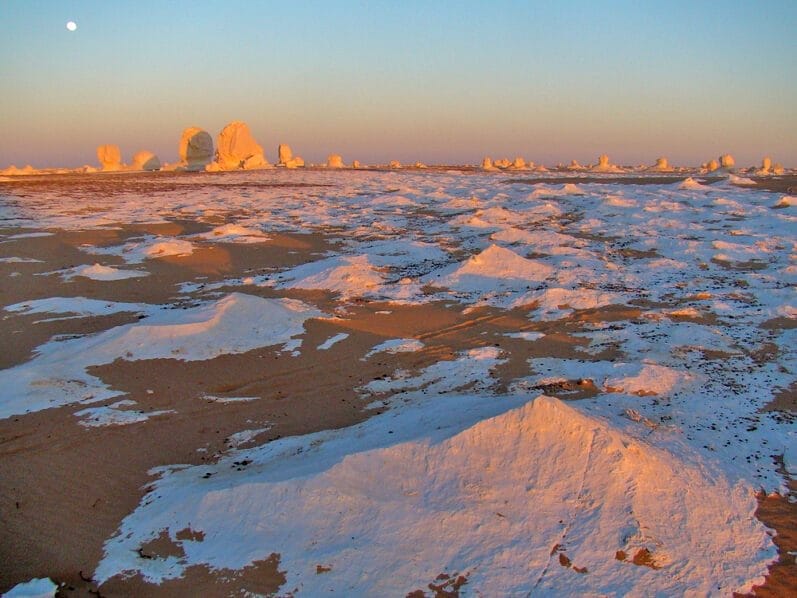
column 435, row 81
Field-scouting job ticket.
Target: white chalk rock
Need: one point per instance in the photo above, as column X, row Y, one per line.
column 605, row 166
column 196, row 149
column 394, row 164
column 766, row 167
column 503, row 163
column 574, row 165
column 146, row 160
column 285, row 154
column 420, row 165
column 14, row 171
column 295, row 162
column 778, row 169
column 236, row 149
column 519, row 163
column 110, row 157
column 487, row 164
column 334, row 161
column 727, row 161
column 711, row 166
column 356, row 164
column 662, row 165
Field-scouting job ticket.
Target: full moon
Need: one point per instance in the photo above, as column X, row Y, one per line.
column 71, row 25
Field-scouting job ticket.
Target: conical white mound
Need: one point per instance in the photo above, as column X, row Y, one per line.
column 497, row 500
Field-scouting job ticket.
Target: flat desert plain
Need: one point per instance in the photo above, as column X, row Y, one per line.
column 390, row 383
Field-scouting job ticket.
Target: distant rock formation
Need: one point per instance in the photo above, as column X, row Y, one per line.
column 110, row 157
column 766, row 167
column 574, row 165
column 519, row 163
column 334, row 161
column 661, row 165
column 284, row 153
column 356, row 164
column 419, row 164
column 778, row 169
column 503, row 163
column 394, row 164
column 727, row 161
column 196, row 149
column 14, row 171
column 146, row 160
column 710, row 166
column 236, row 149
column 487, row 164
column 295, row 162
column 605, row 166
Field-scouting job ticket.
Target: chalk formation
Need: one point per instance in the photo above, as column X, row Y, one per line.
column 334, row 161
column 236, row 149
column 110, row 157
column 146, row 160
column 196, row 149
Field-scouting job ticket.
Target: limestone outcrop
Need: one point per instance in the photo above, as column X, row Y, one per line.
column 284, row 153
column 236, row 149
column 334, row 161
column 487, row 164
column 661, row 165
column 110, row 157
column 196, row 149
column 146, row 160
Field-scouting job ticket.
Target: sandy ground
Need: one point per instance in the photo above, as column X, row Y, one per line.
column 66, row 488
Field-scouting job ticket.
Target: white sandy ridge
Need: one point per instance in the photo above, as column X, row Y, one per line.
column 492, row 489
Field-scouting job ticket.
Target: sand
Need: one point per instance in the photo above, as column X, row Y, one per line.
column 67, row 487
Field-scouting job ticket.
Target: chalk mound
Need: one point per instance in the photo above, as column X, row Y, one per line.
column 234, row 324
column 236, row 149
column 335, row 161
column 605, row 166
column 575, row 166
column 727, row 161
column 350, row 276
column 487, row 164
column 690, row 184
column 196, row 149
column 539, row 499
column 110, row 157
column 519, row 163
column 493, row 266
column 394, row 164
column 146, row 160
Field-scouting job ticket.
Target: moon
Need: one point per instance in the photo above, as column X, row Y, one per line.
column 71, row 25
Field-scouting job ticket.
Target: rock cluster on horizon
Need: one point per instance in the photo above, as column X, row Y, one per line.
column 335, row 161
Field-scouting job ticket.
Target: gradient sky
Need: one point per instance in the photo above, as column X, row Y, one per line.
column 441, row 82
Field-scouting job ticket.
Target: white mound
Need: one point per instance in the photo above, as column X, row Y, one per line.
column 605, row 166
column 558, row 302
column 236, row 149
column 493, row 266
column 461, row 487
column 541, row 190
column 351, row 276
column 234, row 324
column 690, row 184
column 787, row 201
column 100, row 272
column 135, row 252
column 235, row 233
